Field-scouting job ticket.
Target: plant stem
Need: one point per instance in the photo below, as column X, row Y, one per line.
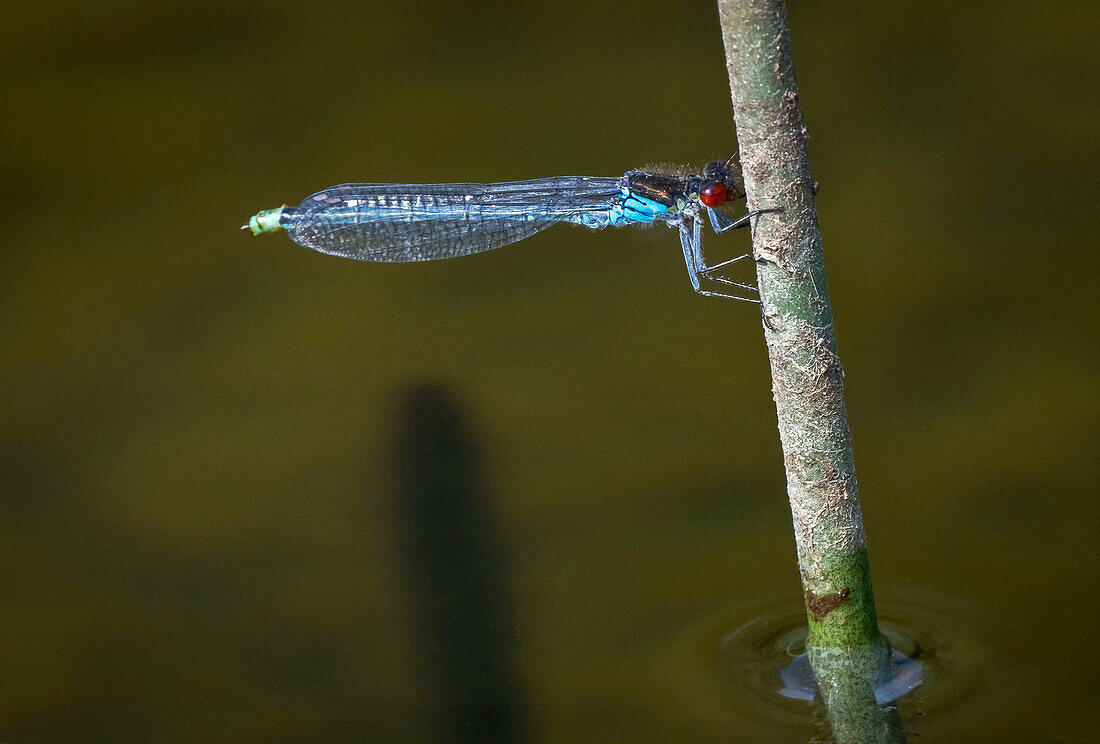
column 807, row 379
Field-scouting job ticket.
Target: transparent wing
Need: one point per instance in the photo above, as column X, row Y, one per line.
column 407, row 222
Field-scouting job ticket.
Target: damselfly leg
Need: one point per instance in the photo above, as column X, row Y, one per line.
column 720, row 222
column 691, row 240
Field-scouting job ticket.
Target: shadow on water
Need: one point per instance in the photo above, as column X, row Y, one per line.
column 454, row 568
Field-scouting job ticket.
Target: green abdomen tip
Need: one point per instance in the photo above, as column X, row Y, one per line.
column 265, row 221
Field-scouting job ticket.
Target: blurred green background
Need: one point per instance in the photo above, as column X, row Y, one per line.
column 202, row 532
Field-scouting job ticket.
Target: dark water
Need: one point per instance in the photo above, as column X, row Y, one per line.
column 210, row 528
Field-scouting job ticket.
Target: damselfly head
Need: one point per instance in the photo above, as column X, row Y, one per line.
column 721, row 183
column 716, row 170
column 712, row 193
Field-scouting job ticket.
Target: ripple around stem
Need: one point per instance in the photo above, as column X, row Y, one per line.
column 725, row 671
column 797, row 679
column 936, row 662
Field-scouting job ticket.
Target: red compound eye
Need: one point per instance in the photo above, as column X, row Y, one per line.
column 712, row 194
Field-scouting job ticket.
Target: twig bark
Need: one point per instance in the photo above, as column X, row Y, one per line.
column 807, row 379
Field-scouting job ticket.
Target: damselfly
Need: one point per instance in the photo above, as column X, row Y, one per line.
column 407, row 222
